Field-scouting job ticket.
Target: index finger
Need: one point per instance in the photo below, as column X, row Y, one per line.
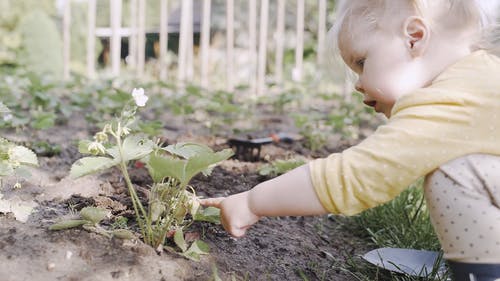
column 212, row 202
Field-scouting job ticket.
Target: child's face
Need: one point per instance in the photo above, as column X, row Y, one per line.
column 383, row 63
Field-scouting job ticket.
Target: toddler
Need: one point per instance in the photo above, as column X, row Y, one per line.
column 430, row 67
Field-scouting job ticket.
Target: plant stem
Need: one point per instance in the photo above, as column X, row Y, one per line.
column 140, row 213
column 138, row 208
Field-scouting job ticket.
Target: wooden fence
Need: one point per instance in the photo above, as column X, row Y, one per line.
column 257, row 48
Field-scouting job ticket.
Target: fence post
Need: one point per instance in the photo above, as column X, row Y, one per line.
column 205, row 42
column 141, row 37
column 163, row 38
column 190, row 44
column 299, row 48
column 132, row 39
column 229, row 45
column 252, row 44
column 261, row 72
column 91, row 13
column 184, row 40
column 320, row 52
column 280, row 38
column 66, row 39
column 115, row 47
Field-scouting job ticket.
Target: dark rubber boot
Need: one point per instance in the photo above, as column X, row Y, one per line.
column 475, row 271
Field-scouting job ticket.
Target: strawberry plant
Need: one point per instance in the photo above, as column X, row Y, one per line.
column 14, row 159
column 312, row 128
column 172, row 198
column 172, row 203
column 279, row 167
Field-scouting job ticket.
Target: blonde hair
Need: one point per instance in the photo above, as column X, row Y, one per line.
column 478, row 16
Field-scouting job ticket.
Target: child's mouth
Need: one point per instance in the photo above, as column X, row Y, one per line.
column 371, row 103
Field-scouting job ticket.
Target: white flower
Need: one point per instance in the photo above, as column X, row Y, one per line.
column 139, row 97
column 125, row 131
column 7, row 117
column 96, row 148
column 101, row 137
column 10, row 80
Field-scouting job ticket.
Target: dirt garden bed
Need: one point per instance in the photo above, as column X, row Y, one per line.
column 284, row 248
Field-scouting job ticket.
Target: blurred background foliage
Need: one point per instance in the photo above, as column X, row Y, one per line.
column 31, row 31
column 12, row 14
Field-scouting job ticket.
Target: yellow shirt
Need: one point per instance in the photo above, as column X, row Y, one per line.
column 458, row 114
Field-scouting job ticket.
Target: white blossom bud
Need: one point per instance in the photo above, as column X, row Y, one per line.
column 125, row 131
column 96, row 148
column 139, row 97
column 101, row 137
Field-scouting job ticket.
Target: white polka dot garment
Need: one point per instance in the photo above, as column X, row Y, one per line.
column 463, row 198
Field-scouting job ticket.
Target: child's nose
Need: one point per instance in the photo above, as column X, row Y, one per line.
column 359, row 87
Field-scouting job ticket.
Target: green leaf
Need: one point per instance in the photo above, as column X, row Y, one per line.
column 93, row 214
column 134, row 147
column 123, row 234
column 3, row 108
column 179, row 239
column 22, row 172
column 157, row 209
column 203, row 161
column 67, row 224
column 5, row 169
column 197, row 158
column 266, row 170
column 197, row 249
column 19, row 121
column 209, row 214
column 44, row 120
column 83, row 146
column 152, row 128
column 187, row 150
column 89, row 165
column 162, row 166
column 23, row 155
column 180, row 213
column 279, row 167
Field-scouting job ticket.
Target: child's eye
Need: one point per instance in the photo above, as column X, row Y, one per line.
column 360, row 63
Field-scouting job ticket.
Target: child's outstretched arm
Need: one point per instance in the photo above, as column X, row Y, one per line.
column 290, row 194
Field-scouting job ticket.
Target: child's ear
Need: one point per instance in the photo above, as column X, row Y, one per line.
column 417, row 33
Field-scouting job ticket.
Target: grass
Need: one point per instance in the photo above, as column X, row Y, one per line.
column 401, row 223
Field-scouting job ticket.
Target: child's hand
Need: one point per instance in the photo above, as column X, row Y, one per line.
column 236, row 216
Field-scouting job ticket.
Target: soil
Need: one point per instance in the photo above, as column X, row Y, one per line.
column 284, row 248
